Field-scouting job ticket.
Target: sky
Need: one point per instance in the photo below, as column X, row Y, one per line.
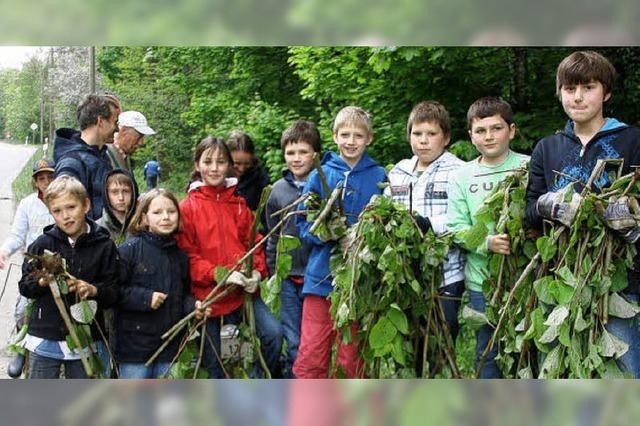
column 15, row 56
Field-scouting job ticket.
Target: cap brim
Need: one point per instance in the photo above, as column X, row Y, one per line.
column 145, row 130
column 46, row 169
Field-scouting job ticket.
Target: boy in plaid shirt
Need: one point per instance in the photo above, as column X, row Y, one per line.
column 420, row 183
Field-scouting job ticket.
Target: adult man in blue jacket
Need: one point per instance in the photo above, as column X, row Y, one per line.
column 83, row 154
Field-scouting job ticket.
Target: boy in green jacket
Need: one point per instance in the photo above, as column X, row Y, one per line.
column 491, row 129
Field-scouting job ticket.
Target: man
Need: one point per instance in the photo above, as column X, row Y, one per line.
column 132, row 128
column 151, row 173
column 83, row 154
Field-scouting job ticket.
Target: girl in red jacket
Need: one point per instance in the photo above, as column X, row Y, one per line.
column 216, row 227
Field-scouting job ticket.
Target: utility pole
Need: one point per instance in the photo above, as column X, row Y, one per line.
column 42, row 118
column 92, row 60
column 50, row 93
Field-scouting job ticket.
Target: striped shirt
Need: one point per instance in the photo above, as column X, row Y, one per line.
column 425, row 193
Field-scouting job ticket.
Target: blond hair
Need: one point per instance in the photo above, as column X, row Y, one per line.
column 353, row 116
column 63, row 185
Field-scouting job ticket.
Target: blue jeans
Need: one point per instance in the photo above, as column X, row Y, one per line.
column 490, row 369
column 133, row 370
column 103, row 354
column 451, row 305
column 291, row 316
column 268, row 329
column 42, row 367
column 628, row 330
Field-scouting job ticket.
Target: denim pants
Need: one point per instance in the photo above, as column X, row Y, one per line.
column 133, row 370
column 42, row 367
column 451, row 305
column 268, row 329
column 291, row 317
column 628, row 330
column 490, row 369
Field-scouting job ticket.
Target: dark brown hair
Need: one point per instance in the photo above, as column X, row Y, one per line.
column 301, row 131
column 490, row 106
column 582, row 67
column 210, row 142
column 94, row 106
column 429, row 111
column 240, row 141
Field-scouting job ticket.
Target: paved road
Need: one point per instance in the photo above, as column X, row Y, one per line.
column 12, row 159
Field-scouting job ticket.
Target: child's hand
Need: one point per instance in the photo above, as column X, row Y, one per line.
column 202, row 312
column 500, row 244
column 157, row 299
column 82, row 288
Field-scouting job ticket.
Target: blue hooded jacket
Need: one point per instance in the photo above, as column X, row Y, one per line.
column 87, row 163
column 564, row 153
column 360, row 184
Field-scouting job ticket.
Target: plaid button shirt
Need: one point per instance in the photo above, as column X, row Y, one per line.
column 427, row 196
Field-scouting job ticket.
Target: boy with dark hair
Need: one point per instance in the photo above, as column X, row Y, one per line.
column 299, row 143
column 359, row 175
column 584, row 82
column 83, row 154
column 491, row 129
column 420, row 183
column 91, row 257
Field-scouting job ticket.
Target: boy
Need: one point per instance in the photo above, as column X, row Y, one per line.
column 91, row 257
column 119, row 198
column 30, row 219
column 420, row 183
column 491, row 128
column 584, row 82
column 360, row 176
column 299, row 143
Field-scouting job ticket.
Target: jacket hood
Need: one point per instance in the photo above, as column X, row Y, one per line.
column 107, row 206
column 96, row 233
column 228, row 182
column 333, row 160
column 69, row 140
column 219, row 193
column 610, row 124
column 255, row 174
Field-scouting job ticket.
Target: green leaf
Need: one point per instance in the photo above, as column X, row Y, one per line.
column 220, row 273
column 70, row 343
column 546, row 248
column 473, row 318
column 620, row 278
column 580, row 324
column 525, row 373
column 475, row 236
column 287, row 243
column 382, row 333
column 398, row 318
column 541, row 287
column 621, row 308
column 561, row 292
column 84, row 311
column 551, row 364
column 611, row 346
column 567, row 276
column 557, row 316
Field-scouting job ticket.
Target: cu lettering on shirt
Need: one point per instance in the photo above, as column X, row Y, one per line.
column 485, row 186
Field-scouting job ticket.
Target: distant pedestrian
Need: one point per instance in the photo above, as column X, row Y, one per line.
column 151, row 173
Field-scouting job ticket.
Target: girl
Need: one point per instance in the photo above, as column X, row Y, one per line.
column 154, row 292
column 32, row 215
column 216, row 230
column 252, row 178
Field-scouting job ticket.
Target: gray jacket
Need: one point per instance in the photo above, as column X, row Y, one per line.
column 284, row 192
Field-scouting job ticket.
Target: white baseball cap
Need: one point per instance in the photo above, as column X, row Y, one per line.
column 136, row 120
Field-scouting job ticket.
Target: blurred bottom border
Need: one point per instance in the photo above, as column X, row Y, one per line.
column 320, row 402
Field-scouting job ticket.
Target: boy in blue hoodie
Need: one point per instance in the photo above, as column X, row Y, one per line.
column 299, row 144
column 359, row 175
column 584, row 82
